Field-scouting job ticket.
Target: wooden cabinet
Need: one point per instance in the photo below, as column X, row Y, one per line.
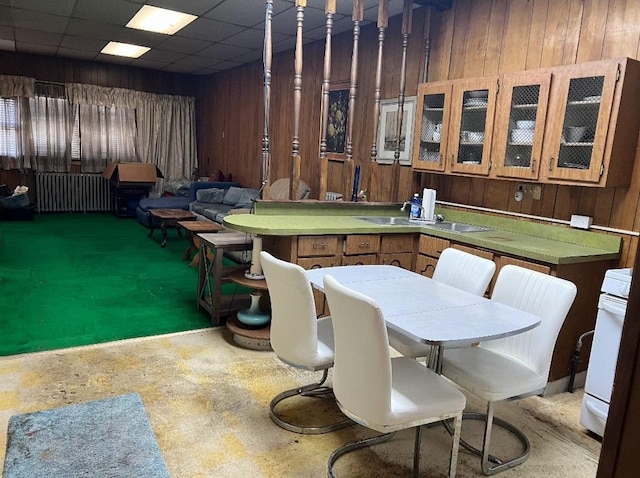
column 429, row 250
column 573, row 124
column 520, row 125
column 592, row 128
column 397, row 250
column 454, row 126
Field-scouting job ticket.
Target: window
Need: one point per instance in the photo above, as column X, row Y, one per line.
column 8, row 128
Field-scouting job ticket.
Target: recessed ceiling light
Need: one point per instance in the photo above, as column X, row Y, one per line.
column 160, row 20
column 124, row 49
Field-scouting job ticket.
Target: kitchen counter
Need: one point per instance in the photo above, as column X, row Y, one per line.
column 541, row 242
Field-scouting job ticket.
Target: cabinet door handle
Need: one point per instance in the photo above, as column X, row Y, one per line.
column 364, row 244
column 551, row 163
column 319, row 245
column 452, row 160
column 533, row 165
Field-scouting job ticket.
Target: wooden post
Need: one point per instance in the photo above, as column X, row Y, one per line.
column 329, row 10
column 267, row 54
column 407, row 14
column 383, row 22
column 349, row 169
column 294, row 184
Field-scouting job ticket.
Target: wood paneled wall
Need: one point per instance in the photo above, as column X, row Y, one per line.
column 474, row 38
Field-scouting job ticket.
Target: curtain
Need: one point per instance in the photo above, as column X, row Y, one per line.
column 107, row 134
column 165, row 131
column 166, row 134
column 52, row 128
column 16, row 142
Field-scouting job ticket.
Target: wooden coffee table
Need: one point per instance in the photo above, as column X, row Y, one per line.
column 194, row 228
column 169, row 218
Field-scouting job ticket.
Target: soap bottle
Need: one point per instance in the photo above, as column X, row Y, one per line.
column 415, row 207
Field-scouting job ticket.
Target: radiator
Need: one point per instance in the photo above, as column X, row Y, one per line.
column 63, row 192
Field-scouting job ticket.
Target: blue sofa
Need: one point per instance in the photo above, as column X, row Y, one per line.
column 175, row 202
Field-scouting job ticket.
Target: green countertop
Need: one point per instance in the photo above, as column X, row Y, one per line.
column 541, row 242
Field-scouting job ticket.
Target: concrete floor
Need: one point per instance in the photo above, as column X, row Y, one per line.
column 207, row 401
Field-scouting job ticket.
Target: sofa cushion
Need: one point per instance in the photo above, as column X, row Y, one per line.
column 211, row 195
column 233, row 196
column 164, row 203
column 247, row 197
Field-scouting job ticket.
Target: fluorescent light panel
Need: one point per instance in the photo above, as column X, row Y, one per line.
column 160, row 20
column 124, row 49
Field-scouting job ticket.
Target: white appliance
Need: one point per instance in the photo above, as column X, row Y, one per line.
column 612, row 307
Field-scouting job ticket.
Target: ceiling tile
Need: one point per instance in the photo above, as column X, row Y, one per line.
column 194, row 7
column 23, row 47
column 223, row 52
column 6, row 17
column 178, row 68
column 244, row 12
column 82, row 43
column 249, row 57
column 73, row 53
column 139, row 37
column 34, row 36
column 210, row 30
column 7, row 45
column 163, row 56
column 143, row 62
column 57, row 7
column 92, row 29
column 39, row 21
column 117, row 12
column 183, row 45
column 6, row 33
column 250, row 38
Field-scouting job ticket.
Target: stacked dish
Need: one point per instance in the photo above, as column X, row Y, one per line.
column 522, row 136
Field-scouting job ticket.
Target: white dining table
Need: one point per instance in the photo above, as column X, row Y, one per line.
column 426, row 310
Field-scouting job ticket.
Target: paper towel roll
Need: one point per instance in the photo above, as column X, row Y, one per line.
column 429, row 203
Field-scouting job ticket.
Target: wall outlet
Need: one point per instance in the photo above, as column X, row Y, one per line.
column 581, row 222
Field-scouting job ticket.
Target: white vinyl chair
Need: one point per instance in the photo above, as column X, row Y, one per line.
column 297, row 337
column 379, row 392
column 458, row 269
column 517, row 366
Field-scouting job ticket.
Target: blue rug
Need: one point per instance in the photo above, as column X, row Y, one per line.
column 103, row 438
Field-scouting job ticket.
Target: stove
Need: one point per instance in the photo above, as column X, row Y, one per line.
column 612, row 308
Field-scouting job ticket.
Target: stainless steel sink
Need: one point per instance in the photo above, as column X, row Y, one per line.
column 389, row 221
column 457, row 227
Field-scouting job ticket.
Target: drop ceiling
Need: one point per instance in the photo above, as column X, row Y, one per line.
column 226, row 34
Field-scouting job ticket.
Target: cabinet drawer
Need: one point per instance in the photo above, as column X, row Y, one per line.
column 502, row 261
column 317, row 262
column 311, row 246
column 396, row 243
column 360, row 260
column 476, row 252
column 402, row 259
column 432, row 246
column 362, row 244
column 425, row 265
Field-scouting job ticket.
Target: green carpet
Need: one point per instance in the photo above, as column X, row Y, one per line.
column 79, row 279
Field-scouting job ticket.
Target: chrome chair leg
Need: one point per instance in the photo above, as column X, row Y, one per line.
column 355, row 446
column 487, row 459
column 311, row 390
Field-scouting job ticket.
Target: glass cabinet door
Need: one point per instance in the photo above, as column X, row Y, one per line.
column 520, row 123
column 472, row 116
column 432, row 124
column 578, row 138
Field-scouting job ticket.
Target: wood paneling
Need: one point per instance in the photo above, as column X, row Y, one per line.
column 474, row 38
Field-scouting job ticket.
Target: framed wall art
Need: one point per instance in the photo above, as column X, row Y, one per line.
column 387, row 130
column 337, row 119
